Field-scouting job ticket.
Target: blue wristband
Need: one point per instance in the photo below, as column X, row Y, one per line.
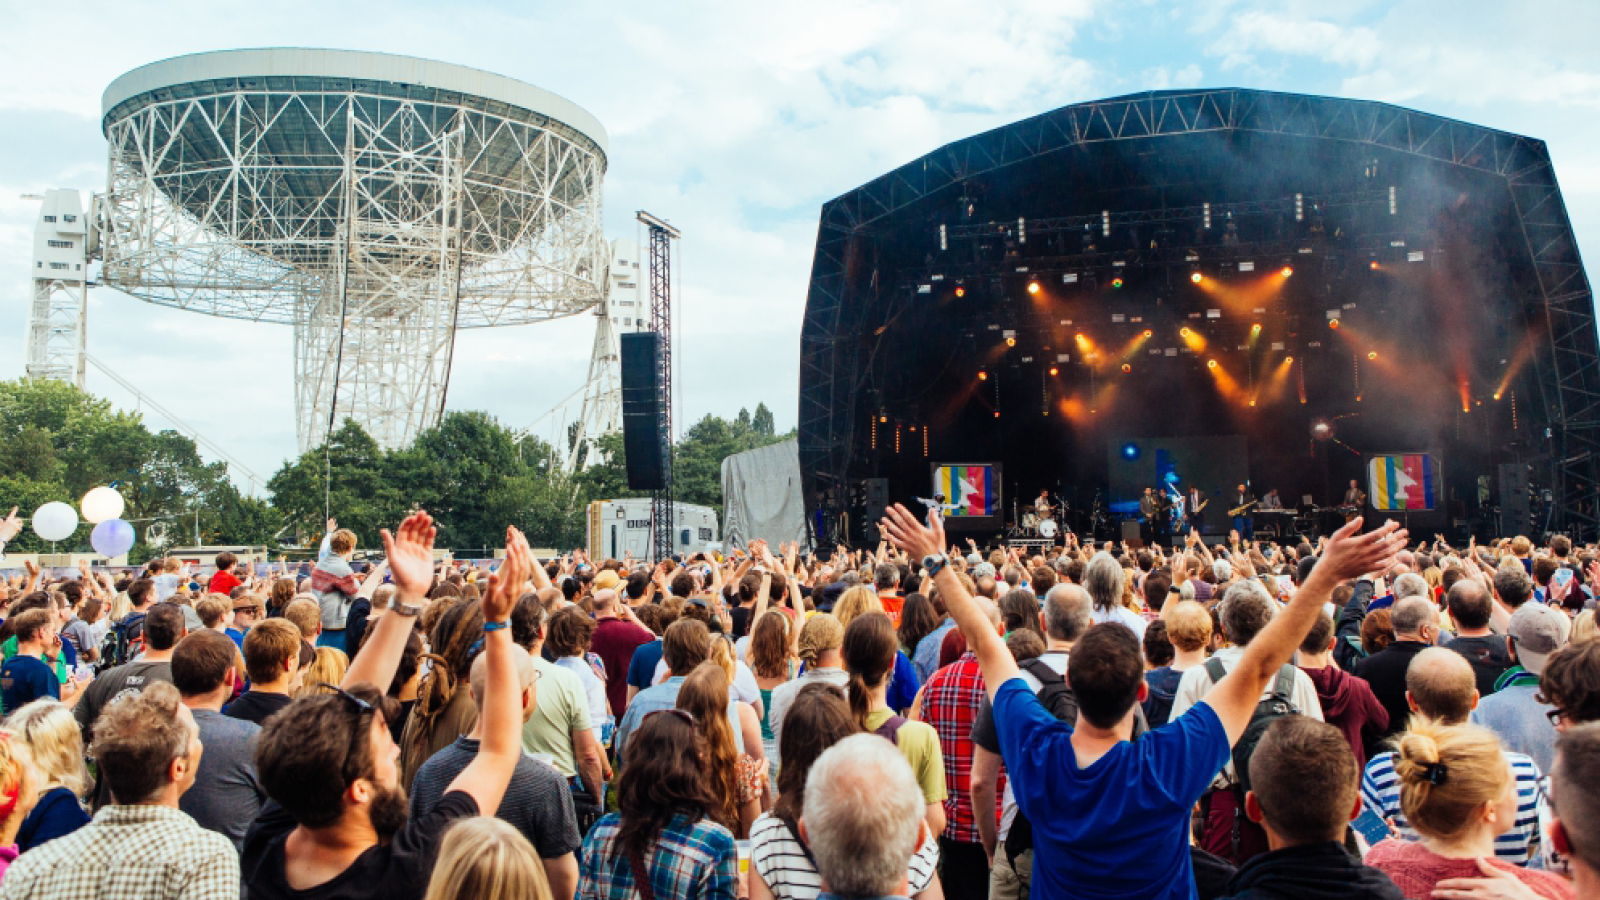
column 495, row 626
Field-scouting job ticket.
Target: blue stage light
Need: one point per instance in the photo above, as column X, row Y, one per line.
column 1130, row 450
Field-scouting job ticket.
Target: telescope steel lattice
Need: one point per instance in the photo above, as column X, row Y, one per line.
column 376, row 203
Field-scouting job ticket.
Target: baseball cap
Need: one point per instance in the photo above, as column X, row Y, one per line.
column 606, row 579
column 1537, row 631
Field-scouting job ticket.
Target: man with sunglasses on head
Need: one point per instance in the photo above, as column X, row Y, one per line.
column 337, row 825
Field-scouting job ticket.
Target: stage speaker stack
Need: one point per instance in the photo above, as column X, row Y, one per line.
column 1130, row 533
column 641, row 410
column 1516, row 511
column 877, row 506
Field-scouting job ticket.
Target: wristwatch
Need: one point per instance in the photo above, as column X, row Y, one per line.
column 407, row 610
column 932, row 563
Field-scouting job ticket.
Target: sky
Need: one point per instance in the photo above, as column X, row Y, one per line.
column 736, row 122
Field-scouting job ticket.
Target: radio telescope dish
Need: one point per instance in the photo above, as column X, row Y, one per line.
column 375, row 202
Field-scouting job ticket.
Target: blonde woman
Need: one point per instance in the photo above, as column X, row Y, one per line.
column 1583, row 628
column 1458, row 792
column 54, row 744
column 903, row 686
column 818, row 648
column 327, row 667
column 484, row 858
column 749, row 716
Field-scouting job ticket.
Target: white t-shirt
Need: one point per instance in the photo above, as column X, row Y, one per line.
column 744, row 687
column 782, row 862
column 593, row 688
column 1121, row 614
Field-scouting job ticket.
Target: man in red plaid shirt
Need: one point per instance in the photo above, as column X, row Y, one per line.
column 950, row 702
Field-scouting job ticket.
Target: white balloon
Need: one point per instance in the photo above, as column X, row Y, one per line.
column 55, row 521
column 102, row 503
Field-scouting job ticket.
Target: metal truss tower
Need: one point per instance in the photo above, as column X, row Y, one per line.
column 59, row 301
column 376, row 203
column 661, row 237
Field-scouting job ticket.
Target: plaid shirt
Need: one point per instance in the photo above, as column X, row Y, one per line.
column 149, row 852
column 690, row 861
column 950, row 704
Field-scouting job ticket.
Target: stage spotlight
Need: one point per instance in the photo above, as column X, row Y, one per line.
column 1196, row 277
column 1183, row 332
column 982, row 375
column 1288, row 359
column 960, row 291
column 1054, row 371
column 1211, row 364
column 1373, row 265
column 1372, row 354
column 1321, row 429
column 1148, row 333
column 1130, row 451
column 1286, row 271
column 997, row 414
column 1033, row 287
column 1011, row 342
column 1117, row 282
column 1126, row 368
column 1497, row 397
column 1252, row 401
column 1256, row 328
column 1334, row 324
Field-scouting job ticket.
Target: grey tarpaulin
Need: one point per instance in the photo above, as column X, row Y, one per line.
column 761, row 497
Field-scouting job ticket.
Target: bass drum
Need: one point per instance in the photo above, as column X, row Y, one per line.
column 1047, row 529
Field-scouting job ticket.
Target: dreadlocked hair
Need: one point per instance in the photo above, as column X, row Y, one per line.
column 704, row 695
column 869, row 649
column 454, row 642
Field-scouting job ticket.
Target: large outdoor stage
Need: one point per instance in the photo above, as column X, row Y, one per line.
column 1202, row 288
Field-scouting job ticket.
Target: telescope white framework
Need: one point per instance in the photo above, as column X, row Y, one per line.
column 376, row 203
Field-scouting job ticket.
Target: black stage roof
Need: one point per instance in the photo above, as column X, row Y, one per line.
column 1443, row 249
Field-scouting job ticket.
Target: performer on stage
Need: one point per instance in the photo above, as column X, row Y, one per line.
column 1041, row 506
column 1354, row 496
column 1243, row 522
column 1197, row 510
column 1147, row 515
column 1271, row 501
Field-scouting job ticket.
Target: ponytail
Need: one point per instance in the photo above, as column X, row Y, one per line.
column 869, row 649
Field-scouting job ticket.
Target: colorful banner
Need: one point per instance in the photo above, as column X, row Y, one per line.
column 969, row 491
column 1402, row 482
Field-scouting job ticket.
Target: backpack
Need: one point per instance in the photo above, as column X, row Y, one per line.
column 1271, row 708
column 1055, row 693
column 117, row 648
column 1163, row 691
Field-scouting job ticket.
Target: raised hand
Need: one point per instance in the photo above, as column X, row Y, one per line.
column 333, row 525
column 10, row 526
column 1349, row 554
column 506, row 585
column 410, row 554
column 910, row 535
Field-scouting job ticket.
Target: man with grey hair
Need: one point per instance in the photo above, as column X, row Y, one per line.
column 1416, row 628
column 1223, row 570
column 1103, row 578
column 1410, row 584
column 1245, row 611
column 1066, row 618
column 862, row 819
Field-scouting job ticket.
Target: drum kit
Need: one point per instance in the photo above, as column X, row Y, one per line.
column 1039, row 521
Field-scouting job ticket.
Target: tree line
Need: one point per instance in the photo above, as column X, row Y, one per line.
column 472, row 473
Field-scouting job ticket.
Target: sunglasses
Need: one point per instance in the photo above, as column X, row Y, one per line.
column 362, row 708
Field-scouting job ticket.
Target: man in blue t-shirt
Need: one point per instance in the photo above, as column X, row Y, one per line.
column 1110, row 817
column 27, row 676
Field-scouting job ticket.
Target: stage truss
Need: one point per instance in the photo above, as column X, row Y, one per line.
column 1566, row 368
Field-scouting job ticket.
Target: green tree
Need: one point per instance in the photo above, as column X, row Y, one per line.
column 347, row 477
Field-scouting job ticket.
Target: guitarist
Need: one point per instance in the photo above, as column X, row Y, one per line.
column 1197, row 510
column 1243, row 522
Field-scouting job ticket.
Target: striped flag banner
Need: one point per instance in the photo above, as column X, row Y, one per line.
column 969, row 491
column 1402, row 481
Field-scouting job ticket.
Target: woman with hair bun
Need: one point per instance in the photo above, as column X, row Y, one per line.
column 870, row 648
column 1458, row 792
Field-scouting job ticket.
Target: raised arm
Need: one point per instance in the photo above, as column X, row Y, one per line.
column 410, row 558
column 369, row 585
column 1347, row 555
column 486, row 777
column 918, row 540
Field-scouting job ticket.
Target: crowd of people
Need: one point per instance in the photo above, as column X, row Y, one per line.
column 1364, row 717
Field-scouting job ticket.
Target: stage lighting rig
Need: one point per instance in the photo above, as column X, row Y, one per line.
column 1117, row 282
column 1196, row 277
column 1033, row 286
column 1286, row 271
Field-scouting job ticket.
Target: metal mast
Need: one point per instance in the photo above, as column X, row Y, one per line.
column 661, row 237
column 60, row 300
